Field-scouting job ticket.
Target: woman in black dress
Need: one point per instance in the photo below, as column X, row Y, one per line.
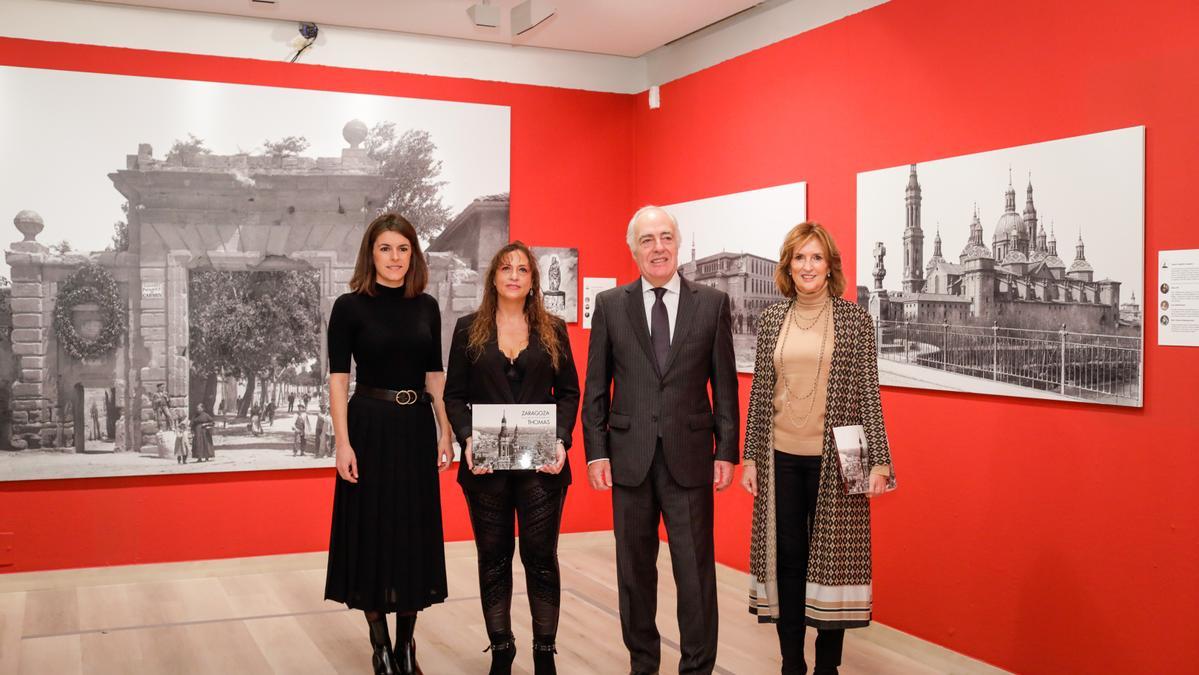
column 513, row 351
column 386, row 552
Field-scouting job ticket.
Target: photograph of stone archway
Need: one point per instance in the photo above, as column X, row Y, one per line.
column 203, row 308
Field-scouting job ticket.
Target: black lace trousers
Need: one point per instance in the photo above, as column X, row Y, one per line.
column 493, row 518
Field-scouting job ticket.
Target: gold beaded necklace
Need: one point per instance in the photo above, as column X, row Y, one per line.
column 789, row 395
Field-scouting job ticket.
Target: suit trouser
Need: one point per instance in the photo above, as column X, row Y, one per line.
column 688, row 515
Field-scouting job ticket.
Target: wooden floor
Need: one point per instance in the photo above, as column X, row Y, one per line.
column 265, row 615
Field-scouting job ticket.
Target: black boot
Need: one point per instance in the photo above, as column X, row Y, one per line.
column 829, row 644
column 791, row 643
column 503, row 653
column 543, row 656
column 405, row 649
column 383, row 658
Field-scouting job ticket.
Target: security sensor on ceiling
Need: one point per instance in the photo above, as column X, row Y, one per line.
column 484, row 14
column 529, row 13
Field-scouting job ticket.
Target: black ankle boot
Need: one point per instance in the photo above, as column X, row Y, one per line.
column 791, row 644
column 405, row 649
column 383, row 658
column 503, row 653
column 543, row 657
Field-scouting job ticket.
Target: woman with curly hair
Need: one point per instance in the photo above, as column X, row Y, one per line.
column 513, row 351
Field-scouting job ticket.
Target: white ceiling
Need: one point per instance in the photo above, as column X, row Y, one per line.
column 628, row 28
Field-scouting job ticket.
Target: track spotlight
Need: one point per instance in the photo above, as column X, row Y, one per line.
column 529, row 14
column 484, row 14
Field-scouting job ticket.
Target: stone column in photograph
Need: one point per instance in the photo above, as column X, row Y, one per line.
column 151, row 319
column 30, row 320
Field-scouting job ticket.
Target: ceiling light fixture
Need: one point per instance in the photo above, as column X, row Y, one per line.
column 530, row 13
column 484, row 14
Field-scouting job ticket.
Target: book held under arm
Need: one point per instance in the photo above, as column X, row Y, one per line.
column 513, row 437
column 853, row 454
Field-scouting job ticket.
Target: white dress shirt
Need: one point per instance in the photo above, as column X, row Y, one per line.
column 670, row 298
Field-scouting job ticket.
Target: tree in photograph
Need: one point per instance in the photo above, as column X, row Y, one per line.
column 288, row 146
column 186, row 151
column 61, row 248
column 120, row 232
column 408, row 159
column 252, row 325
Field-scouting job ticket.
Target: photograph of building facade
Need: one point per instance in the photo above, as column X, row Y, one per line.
column 512, row 437
column 731, row 242
column 207, row 312
column 1009, row 309
column 747, row 278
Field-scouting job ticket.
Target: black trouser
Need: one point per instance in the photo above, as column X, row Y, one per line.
column 687, row 512
column 493, row 518
column 797, row 481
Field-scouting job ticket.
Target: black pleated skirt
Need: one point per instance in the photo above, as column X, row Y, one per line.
column 386, row 547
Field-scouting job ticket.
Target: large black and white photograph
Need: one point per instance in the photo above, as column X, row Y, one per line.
column 507, row 437
column 559, row 281
column 731, row 242
column 1015, row 272
column 178, row 246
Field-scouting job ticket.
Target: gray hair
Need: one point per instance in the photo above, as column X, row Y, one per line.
column 631, row 235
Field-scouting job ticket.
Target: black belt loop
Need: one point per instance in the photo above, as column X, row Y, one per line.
column 396, row 396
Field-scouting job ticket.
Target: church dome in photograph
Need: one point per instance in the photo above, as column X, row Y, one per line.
column 1010, row 227
column 1080, row 266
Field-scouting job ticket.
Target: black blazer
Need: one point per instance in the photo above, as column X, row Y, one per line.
column 629, row 404
column 483, row 380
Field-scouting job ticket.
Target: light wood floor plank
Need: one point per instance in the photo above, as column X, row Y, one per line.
column 12, row 627
column 51, row 611
column 60, row 655
column 115, row 652
column 285, row 645
column 235, row 617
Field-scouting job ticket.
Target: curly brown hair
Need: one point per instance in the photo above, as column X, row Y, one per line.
column 541, row 323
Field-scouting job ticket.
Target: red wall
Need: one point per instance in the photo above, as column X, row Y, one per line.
column 570, row 183
column 1041, row 537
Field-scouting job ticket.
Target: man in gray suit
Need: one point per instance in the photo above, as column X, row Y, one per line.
column 652, row 433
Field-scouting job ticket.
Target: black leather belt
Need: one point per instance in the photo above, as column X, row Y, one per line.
column 399, row 397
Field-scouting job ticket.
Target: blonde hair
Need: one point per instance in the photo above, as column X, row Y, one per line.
column 795, row 239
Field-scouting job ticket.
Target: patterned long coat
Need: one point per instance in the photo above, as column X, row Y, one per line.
column 838, row 593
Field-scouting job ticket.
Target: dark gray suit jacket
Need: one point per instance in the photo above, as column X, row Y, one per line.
column 627, row 402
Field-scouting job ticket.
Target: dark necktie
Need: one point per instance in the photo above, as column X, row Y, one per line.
column 660, row 329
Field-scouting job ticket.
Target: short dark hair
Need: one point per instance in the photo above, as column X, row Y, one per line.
column 417, row 276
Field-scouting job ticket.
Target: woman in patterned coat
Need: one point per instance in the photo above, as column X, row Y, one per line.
column 815, row 369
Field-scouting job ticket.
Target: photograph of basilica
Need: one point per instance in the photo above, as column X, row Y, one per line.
column 513, row 437
column 163, row 303
column 1043, row 302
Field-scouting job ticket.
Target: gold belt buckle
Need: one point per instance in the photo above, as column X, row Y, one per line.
column 409, row 397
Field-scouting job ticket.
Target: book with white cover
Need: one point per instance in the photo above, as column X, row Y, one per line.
column 509, row 437
column 853, row 451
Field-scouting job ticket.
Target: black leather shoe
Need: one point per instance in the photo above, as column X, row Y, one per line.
column 502, row 656
column 406, row 659
column 384, row 661
column 543, row 658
